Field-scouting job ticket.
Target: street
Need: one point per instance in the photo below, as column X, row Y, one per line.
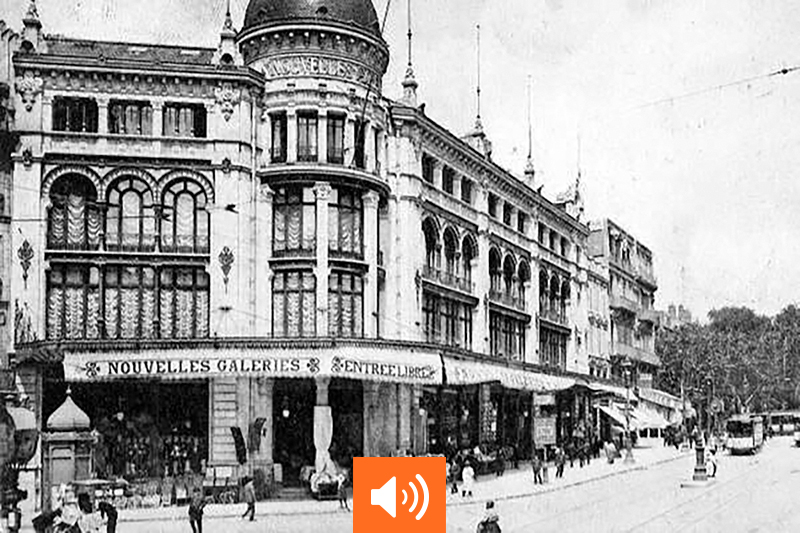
column 751, row 493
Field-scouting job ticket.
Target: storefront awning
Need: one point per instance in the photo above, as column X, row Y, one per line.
column 618, row 416
column 647, row 418
column 354, row 362
column 620, row 392
column 462, row 372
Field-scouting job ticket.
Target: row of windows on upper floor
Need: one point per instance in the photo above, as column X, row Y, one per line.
column 86, row 301
column 557, row 244
column 129, row 220
column 179, row 119
column 343, row 146
column 462, row 187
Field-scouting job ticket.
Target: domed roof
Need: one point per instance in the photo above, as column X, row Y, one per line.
column 68, row 417
column 360, row 13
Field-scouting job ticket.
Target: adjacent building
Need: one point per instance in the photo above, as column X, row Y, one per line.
column 631, row 294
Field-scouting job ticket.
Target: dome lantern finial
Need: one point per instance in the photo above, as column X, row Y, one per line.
column 68, row 417
column 410, row 84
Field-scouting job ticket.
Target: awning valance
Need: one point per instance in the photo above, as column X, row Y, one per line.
column 617, row 416
column 647, row 418
column 620, row 392
column 463, row 372
column 354, row 362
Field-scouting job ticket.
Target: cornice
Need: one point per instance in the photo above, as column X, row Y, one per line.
column 485, row 170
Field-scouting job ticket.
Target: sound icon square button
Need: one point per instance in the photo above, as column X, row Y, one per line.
column 399, row 494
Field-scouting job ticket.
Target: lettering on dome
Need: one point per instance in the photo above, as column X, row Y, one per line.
column 307, row 65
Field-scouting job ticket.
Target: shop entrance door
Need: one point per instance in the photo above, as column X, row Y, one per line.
column 293, row 425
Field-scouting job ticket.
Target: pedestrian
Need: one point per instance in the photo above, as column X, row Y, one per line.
column 561, row 460
column 611, row 452
column 455, row 472
column 490, row 523
column 196, row 506
column 109, row 513
column 342, row 492
column 250, row 498
column 536, row 465
column 500, row 462
column 711, row 460
column 467, row 480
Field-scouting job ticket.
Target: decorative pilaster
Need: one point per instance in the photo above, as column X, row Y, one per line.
column 370, row 407
column 263, row 273
column 291, row 137
column 323, row 429
column 158, row 119
column 102, row 115
column 350, row 140
column 322, row 191
column 263, row 409
column 371, row 201
column 419, row 425
column 369, row 148
column 404, row 415
column 322, row 135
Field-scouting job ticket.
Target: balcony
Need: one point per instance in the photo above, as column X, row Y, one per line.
column 646, row 277
column 447, row 279
column 623, row 303
column 648, row 315
column 635, row 354
column 508, row 300
column 555, row 316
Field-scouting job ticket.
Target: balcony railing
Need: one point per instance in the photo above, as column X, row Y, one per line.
column 621, row 302
column 557, row 316
column 510, row 300
column 448, row 279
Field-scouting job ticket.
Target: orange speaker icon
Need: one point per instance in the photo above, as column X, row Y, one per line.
column 386, row 497
column 411, row 491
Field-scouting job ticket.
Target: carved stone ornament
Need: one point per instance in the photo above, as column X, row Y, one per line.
column 28, row 86
column 227, row 98
column 227, row 165
column 25, row 254
column 27, row 157
column 226, row 260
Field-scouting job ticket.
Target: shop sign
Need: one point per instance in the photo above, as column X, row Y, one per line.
column 470, row 373
column 356, row 363
column 544, row 431
column 544, row 399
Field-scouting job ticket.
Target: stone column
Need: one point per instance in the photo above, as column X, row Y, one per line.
column 323, row 428
column 322, row 136
column 371, row 200
column 322, row 190
column 291, row 136
column 405, row 416
column 263, row 273
column 265, row 133
column 349, row 139
column 102, row 115
column 437, row 174
column 47, row 113
column 158, row 119
column 262, row 408
column 419, row 425
column 370, row 406
column 369, row 148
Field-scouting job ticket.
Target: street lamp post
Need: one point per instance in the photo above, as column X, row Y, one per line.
column 626, row 366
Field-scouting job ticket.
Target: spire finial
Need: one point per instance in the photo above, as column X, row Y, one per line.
column 529, row 170
column 69, row 390
column 409, row 82
column 228, row 25
column 32, row 15
column 478, row 125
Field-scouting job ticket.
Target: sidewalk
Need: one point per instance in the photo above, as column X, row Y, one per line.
column 514, row 484
column 519, row 483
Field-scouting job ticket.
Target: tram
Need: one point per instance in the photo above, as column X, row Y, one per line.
column 745, row 434
column 783, row 422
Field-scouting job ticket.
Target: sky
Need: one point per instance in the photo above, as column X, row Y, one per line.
column 694, row 161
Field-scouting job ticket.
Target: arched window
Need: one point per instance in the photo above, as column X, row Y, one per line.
column 544, row 297
column 524, row 277
column 554, row 295
column 74, row 221
column 450, row 253
column 565, row 295
column 130, row 218
column 431, row 233
column 185, row 223
column 509, row 283
column 468, row 253
column 495, row 275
